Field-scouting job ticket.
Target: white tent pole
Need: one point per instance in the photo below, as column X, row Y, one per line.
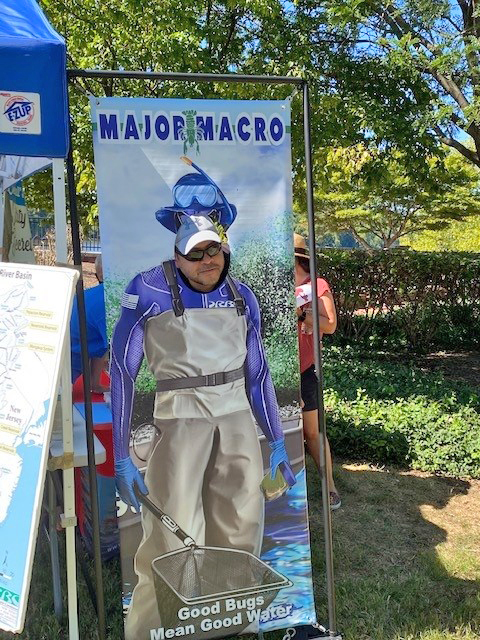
column 69, row 520
column 60, row 207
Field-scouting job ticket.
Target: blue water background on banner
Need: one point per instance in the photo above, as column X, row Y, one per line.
column 286, row 548
column 15, row 529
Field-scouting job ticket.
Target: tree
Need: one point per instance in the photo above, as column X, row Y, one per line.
column 190, row 36
column 436, row 44
column 375, row 197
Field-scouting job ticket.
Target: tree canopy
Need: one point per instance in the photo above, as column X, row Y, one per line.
column 374, row 195
column 436, row 46
column 399, row 76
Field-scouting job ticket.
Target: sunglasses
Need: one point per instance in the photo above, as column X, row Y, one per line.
column 198, row 254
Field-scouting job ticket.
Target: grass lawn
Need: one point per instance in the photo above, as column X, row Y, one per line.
column 406, row 543
column 407, row 555
column 407, row 561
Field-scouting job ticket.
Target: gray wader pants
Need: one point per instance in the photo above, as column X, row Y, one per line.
column 205, row 470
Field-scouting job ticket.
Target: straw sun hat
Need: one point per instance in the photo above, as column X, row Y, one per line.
column 300, row 246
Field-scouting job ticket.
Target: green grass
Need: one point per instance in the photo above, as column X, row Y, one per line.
column 406, row 556
column 406, row 543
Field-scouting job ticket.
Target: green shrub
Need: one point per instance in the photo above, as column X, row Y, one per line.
column 412, row 432
column 388, row 412
column 400, row 299
column 346, row 370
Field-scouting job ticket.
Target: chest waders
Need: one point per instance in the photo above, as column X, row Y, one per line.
column 205, row 470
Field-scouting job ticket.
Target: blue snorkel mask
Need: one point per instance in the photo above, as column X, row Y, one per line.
column 197, row 194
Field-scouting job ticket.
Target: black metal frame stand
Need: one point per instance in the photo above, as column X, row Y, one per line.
column 205, row 77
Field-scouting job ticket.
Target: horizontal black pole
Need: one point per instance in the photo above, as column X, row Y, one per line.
column 193, row 77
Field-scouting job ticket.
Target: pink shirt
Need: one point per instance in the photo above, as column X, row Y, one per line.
column 305, row 340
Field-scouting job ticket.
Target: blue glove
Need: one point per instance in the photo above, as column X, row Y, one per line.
column 126, row 476
column 278, row 455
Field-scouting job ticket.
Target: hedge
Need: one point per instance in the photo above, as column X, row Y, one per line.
column 402, row 298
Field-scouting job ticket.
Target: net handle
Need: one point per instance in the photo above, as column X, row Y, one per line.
column 165, row 519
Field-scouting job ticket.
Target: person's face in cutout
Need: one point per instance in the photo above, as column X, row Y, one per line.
column 205, row 273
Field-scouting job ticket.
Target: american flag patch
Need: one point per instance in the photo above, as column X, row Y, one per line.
column 129, row 301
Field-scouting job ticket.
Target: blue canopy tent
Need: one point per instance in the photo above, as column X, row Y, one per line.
column 34, row 131
column 33, row 92
column 33, row 83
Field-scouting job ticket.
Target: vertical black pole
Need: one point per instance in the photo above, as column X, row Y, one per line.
column 92, row 472
column 327, row 516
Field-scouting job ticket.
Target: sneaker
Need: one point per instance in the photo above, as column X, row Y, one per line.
column 316, row 631
column 306, row 632
column 335, row 502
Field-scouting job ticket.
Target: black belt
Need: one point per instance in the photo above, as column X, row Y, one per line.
column 210, row 380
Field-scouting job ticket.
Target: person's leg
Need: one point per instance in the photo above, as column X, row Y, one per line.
column 175, row 478
column 311, row 434
column 233, row 502
column 312, row 441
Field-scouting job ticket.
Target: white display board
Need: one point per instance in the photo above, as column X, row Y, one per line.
column 35, row 307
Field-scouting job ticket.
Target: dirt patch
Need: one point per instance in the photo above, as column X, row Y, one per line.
column 456, row 365
column 88, row 273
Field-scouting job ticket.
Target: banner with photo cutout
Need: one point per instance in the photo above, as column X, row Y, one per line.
column 144, row 148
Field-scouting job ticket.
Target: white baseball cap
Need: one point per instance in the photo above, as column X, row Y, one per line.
column 193, row 230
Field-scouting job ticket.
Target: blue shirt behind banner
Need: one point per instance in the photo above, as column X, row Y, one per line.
column 96, row 328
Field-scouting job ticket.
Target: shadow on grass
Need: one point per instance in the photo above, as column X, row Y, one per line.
column 41, row 622
column 407, row 555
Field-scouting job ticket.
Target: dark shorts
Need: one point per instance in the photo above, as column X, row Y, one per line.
column 308, row 387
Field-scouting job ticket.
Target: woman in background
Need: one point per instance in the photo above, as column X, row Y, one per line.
column 328, row 323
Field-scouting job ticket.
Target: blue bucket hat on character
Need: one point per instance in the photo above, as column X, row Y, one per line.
column 196, row 194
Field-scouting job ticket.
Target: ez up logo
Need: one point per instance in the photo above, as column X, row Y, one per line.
column 19, row 112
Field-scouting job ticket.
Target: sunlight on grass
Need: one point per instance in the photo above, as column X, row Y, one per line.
column 407, row 555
